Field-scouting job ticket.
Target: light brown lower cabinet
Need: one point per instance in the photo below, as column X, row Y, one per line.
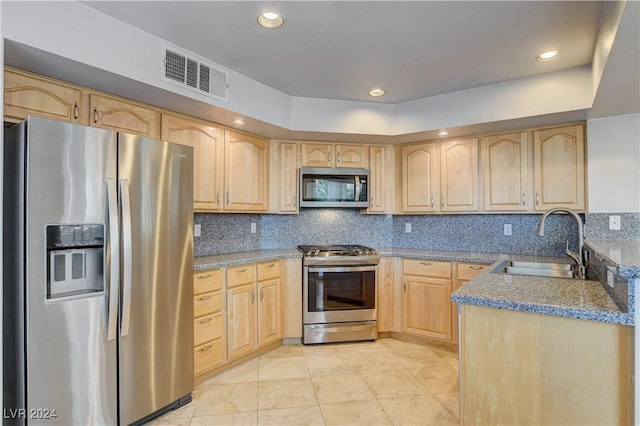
column 529, row 369
column 208, row 325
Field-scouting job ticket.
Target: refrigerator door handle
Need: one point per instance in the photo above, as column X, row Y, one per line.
column 113, row 259
column 125, row 203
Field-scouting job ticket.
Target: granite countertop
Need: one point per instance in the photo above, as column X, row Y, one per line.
column 202, row 263
column 625, row 254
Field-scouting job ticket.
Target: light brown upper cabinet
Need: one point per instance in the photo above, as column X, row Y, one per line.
column 440, row 177
column 381, row 177
column 246, row 172
column 208, row 157
column 26, row 94
column 288, row 177
column 559, row 168
column 505, row 172
column 459, row 176
column 420, row 177
column 331, row 155
column 109, row 112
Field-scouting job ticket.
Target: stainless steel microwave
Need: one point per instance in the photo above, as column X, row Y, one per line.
column 326, row 187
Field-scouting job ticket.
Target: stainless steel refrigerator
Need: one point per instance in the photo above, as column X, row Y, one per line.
column 98, row 264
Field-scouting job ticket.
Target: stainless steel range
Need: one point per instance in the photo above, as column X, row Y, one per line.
column 339, row 293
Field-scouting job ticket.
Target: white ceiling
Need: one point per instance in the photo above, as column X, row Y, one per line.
column 341, row 49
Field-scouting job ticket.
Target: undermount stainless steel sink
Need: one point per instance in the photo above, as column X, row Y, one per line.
column 537, row 269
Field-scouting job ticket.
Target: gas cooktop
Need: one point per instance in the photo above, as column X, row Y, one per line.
column 337, row 250
column 342, row 255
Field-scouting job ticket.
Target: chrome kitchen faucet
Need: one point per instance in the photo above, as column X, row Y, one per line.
column 579, row 256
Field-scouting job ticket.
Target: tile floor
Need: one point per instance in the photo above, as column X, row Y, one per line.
column 369, row 383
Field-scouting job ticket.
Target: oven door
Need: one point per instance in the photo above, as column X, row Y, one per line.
column 339, row 294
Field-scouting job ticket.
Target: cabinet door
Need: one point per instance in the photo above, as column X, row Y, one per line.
column 558, row 167
column 420, row 178
column 269, row 312
column 385, row 296
column 353, row 156
column 459, row 175
column 117, row 114
column 316, row 155
column 29, row 95
column 208, row 162
column 505, row 160
column 246, row 173
column 426, row 307
column 464, row 273
column 379, row 180
column 288, row 172
column 241, row 320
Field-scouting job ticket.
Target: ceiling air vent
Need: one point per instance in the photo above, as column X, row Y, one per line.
column 187, row 70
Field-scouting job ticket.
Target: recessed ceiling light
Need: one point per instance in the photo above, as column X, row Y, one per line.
column 377, row 92
column 548, row 55
column 270, row 20
column 443, row 133
column 239, row 121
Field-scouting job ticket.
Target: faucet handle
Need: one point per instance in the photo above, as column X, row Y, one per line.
column 572, row 254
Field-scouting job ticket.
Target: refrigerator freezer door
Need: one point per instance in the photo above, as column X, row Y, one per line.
column 156, row 347
column 71, row 368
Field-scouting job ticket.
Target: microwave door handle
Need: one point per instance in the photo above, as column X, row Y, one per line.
column 358, row 188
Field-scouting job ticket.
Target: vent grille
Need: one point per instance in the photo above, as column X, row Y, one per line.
column 186, row 70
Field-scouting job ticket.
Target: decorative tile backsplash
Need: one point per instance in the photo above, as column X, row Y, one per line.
column 226, row 233
column 597, row 226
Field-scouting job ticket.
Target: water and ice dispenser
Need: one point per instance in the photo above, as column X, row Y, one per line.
column 74, row 260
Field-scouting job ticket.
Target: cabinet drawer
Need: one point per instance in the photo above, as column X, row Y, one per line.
column 429, row 268
column 468, row 271
column 207, row 281
column 207, row 356
column 207, row 303
column 268, row 270
column 207, row 328
column 245, row 274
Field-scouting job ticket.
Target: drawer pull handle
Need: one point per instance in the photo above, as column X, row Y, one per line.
column 261, row 295
column 426, row 263
column 95, row 116
column 203, row 276
column 75, row 111
column 203, row 298
column 271, row 265
column 239, row 271
column 204, row 321
column 477, row 268
column 206, row 348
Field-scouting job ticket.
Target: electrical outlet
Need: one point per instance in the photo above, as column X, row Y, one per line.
column 407, row 228
column 507, row 229
column 197, row 230
column 253, row 228
column 610, row 278
column 614, row 222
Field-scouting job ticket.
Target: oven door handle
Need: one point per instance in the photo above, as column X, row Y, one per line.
column 343, row 269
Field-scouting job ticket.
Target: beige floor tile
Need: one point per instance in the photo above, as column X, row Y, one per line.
column 354, row 413
column 249, row 419
column 341, row 388
column 274, row 394
column 360, row 347
column 450, row 401
column 417, row 410
column 242, row 373
column 333, row 363
column 393, row 383
column 282, row 368
column 376, row 361
column 227, row 399
column 443, row 379
column 285, row 351
column 310, row 415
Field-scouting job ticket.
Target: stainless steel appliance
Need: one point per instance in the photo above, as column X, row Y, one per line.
column 326, row 187
column 339, row 293
column 98, row 315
